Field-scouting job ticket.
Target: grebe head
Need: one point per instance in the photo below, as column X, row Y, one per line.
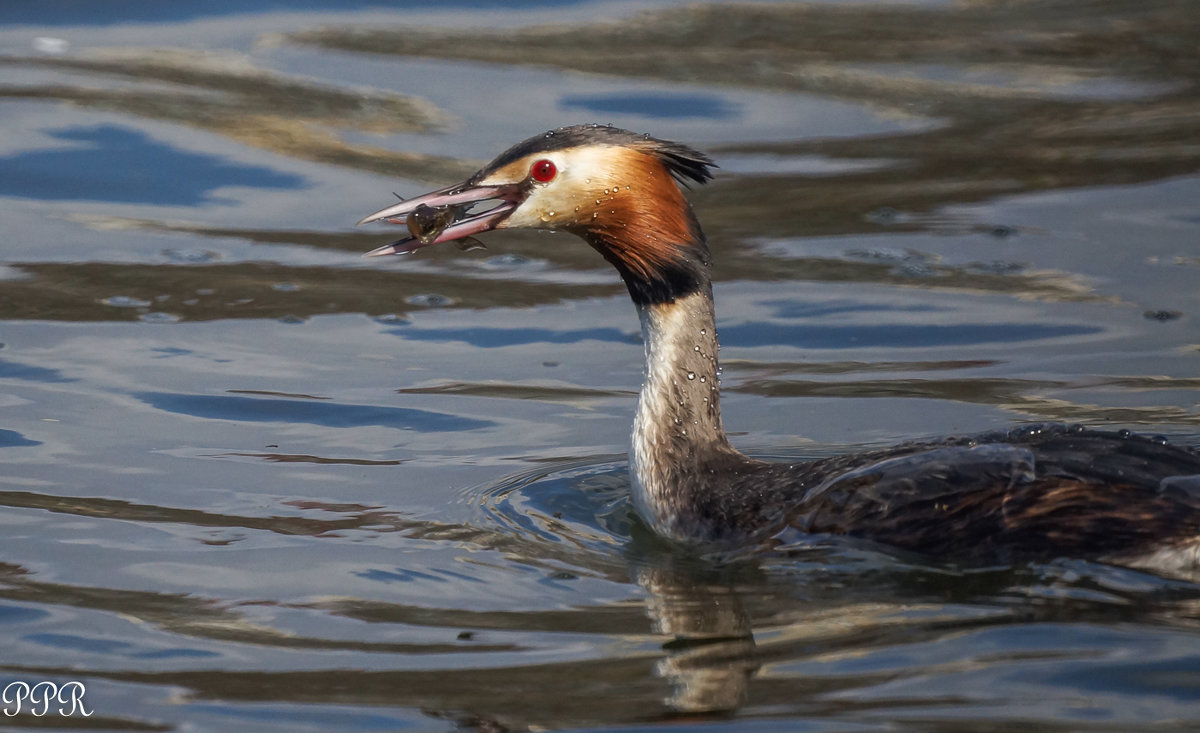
column 618, row 190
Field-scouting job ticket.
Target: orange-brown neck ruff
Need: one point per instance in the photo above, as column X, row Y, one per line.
column 645, row 228
column 620, row 192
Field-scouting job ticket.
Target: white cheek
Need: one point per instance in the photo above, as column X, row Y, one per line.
column 583, row 173
column 545, row 208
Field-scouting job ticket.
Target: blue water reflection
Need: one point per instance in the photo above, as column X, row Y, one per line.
column 88, row 12
column 807, row 309
column 16, row 370
column 660, row 106
column 489, row 338
column 327, row 414
column 119, row 164
column 13, row 439
column 811, row 336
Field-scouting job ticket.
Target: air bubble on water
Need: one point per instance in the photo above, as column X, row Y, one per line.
column 51, row 45
column 191, row 256
column 430, row 300
column 158, row 317
column 508, row 260
column 124, row 301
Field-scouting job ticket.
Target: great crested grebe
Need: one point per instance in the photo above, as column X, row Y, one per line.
column 1036, row 492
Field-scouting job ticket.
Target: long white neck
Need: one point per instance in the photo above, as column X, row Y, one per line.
column 677, row 434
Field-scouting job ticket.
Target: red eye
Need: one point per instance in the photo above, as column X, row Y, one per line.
column 544, row 171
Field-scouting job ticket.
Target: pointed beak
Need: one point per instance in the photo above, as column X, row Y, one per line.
column 450, row 213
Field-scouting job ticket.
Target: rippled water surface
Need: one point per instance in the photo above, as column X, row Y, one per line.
column 252, row 481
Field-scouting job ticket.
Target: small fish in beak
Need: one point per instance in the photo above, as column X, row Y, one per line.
column 446, row 215
column 427, row 223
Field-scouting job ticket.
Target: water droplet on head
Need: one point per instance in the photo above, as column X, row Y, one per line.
column 703, row 379
column 691, row 376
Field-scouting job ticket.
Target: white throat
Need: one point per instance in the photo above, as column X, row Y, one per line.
column 678, row 424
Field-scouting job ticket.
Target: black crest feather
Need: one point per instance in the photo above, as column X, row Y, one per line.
column 685, row 164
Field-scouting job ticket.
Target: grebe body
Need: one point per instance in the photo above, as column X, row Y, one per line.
column 1032, row 493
